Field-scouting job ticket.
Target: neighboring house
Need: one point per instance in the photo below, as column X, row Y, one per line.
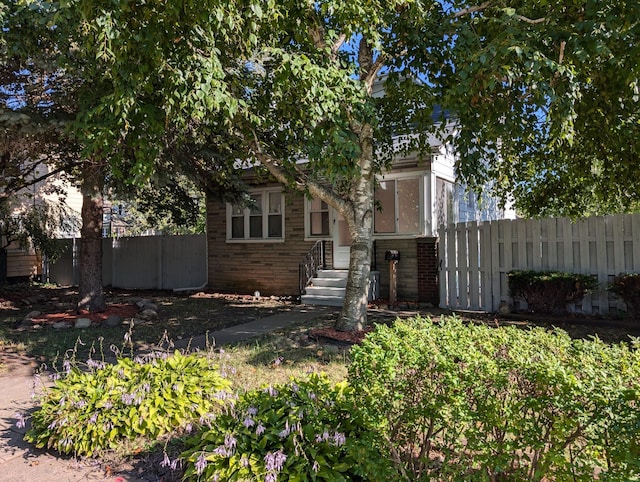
column 22, row 261
column 260, row 249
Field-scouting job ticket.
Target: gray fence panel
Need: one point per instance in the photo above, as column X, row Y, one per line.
column 146, row 262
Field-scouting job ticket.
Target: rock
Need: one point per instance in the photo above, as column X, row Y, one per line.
column 148, row 314
column 150, row 306
column 113, row 321
column 505, row 308
column 61, row 325
column 82, row 323
column 31, row 315
column 141, row 303
column 426, row 306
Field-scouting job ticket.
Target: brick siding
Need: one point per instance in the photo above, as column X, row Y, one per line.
column 270, row 267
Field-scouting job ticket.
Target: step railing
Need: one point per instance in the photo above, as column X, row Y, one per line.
column 313, row 261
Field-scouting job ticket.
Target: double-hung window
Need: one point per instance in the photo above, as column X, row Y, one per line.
column 261, row 219
column 398, row 206
column 317, row 225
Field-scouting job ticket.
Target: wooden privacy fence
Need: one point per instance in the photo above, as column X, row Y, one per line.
column 145, row 262
column 476, row 257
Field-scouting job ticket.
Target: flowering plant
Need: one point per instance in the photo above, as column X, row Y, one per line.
column 143, row 397
column 304, row 430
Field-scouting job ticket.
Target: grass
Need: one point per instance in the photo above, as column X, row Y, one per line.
column 180, row 317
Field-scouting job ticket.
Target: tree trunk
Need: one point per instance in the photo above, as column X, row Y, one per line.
column 91, row 297
column 353, row 316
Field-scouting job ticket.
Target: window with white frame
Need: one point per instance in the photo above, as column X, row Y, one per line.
column 398, row 206
column 317, row 218
column 263, row 218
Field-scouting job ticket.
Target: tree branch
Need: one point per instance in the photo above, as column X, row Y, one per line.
column 530, row 20
column 470, row 10
column 302, row 182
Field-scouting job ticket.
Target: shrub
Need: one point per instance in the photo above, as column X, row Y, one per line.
column 456, row 402
column 627, row 287
column 305, row 430
column 84, row 412
column 549, row 291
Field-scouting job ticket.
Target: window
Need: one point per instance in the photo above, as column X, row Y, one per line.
column 445, row 213
column 398, row 206
column 262, row 219
column 318, row 218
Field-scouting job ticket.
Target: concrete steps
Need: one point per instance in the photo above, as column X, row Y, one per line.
column 327, row 288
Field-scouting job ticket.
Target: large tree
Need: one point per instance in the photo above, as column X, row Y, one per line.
column 543, row 93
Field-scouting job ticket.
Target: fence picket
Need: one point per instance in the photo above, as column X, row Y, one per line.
column 479, row 256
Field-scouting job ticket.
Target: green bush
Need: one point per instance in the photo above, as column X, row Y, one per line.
column 84, row 412
column 549, row 291
column 457, row 402
column 303, row 431
column 627, row 287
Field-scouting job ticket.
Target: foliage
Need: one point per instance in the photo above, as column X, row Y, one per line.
column 467, row 402
column 304, row 430
column 542, row 95
column 549, row 291
column 627, row 287
column 84, row 412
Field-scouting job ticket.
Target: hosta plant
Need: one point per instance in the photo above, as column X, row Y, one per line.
column 86, row 411
column 302, row 431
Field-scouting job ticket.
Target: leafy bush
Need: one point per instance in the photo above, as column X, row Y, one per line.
column 549, row 291
column 627, row 287
column 305, row 430
column 456, row 402
column 84, row 412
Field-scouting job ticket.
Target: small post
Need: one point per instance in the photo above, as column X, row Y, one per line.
column 393, row 256
column 393, row 291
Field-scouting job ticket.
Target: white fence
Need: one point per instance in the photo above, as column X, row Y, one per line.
column 476, row 257
column 146, row 262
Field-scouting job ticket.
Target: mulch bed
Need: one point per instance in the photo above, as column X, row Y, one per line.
column 331, row 335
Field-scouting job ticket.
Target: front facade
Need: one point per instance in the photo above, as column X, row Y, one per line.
column 260, row 248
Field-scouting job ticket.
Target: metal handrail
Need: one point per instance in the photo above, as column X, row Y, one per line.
column 309, row 266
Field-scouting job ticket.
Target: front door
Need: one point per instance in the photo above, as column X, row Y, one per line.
column 341, row 242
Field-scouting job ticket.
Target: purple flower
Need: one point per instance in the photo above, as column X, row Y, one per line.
column 244, row 461
column 248, row 422
column 274, row 461
column 20, row 420
column 339, row 439
column 201, row 463
column 252, row 411
column 260, row 429
column 222, row 451
column 230, row 441
column 315, row 467
column 271, row 391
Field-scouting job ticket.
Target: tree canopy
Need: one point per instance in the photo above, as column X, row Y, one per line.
column 541, row 95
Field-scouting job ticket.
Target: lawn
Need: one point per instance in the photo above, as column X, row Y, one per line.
column 271, row 359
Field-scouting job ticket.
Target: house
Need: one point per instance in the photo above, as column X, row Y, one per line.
column 262, row 248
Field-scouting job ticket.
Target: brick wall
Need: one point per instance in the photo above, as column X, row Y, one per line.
column 270, row 267
column 427, row 256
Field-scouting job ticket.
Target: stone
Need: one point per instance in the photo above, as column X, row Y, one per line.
column 150, row 306
column 148, row 314
column 82, row 323
column 32, row 314
column 113, row 321
column 140, row 303
column 61, row 325
column 505, row 308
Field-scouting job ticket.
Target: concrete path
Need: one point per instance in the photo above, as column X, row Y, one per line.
column 20, row 462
